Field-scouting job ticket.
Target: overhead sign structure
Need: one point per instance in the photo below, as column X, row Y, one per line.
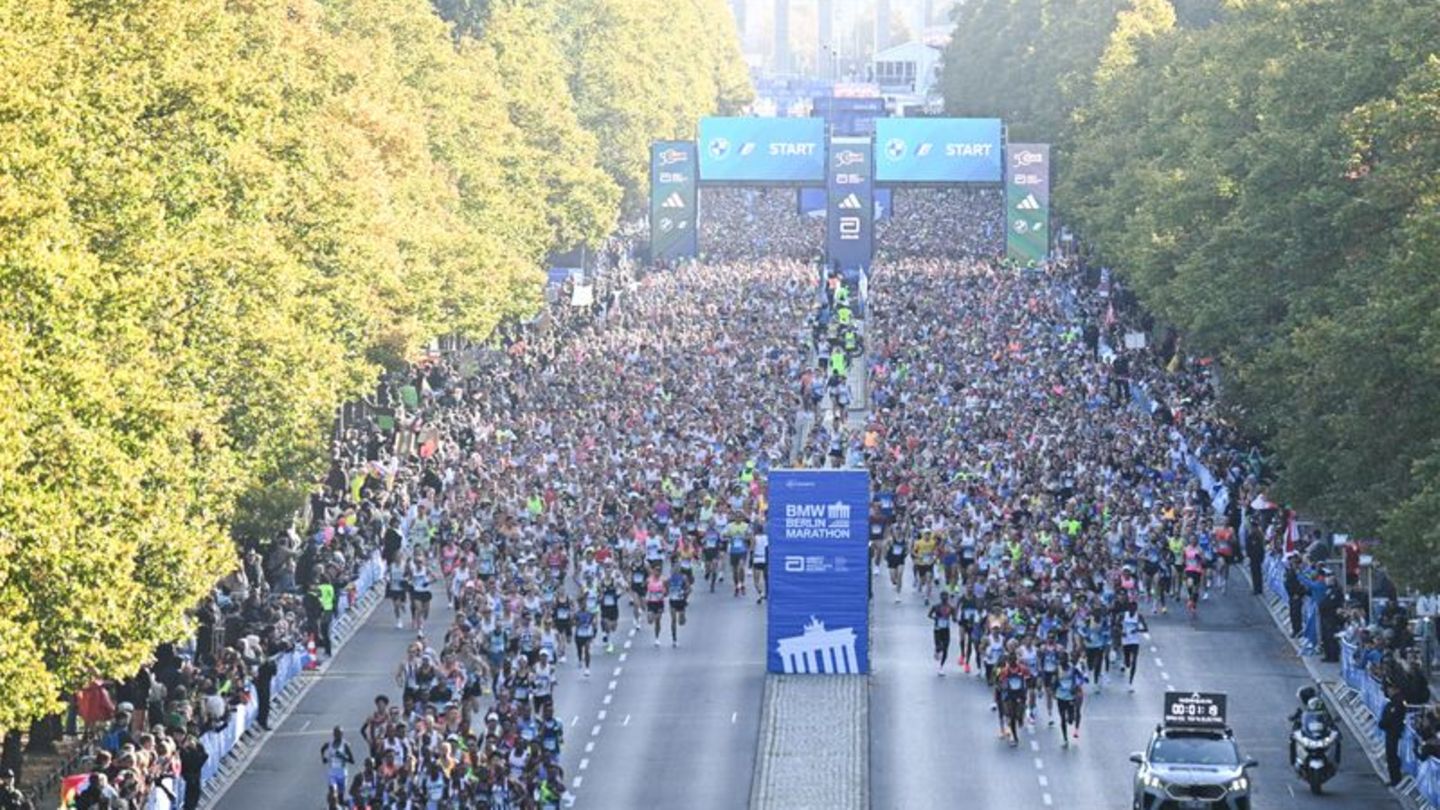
column 1027, row 202
column 762, row 150
column 850, row 204
column 818, row 526
column 673, row 200
column 1195, row 709
column 938, row 150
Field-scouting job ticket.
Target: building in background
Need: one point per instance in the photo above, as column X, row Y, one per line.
column 908, row 76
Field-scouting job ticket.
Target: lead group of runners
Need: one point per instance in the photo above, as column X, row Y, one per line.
column 1032, row 506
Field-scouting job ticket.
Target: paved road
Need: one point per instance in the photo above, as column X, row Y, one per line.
column 691, row 711
column 934, row 740
column 683, row 724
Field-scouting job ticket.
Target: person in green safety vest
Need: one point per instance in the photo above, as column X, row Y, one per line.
column 843, row 315
column 851, row 342
column 323, row 593
column 837, row 361
column 842, row 295
column 747, row 474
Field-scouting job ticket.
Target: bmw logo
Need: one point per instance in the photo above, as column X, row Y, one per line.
column 719, row 148
column 895, row 149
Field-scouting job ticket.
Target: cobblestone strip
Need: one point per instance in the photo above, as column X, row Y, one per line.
column 814, row 744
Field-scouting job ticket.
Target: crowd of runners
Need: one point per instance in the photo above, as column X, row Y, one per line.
column 1032, row 508
column 597, row 474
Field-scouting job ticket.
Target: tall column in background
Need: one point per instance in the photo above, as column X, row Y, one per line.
column 737, row 8
column 782, row 36
column 826, row 58
column 882, row 25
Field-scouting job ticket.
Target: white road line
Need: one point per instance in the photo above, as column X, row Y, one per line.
column 627, row 644
column 1044, row 780
column 584, row 763
column 611, row 687
column 1164, row 674
column 617, row 671
column 733, row 715
column 1046, row 798
column 634, row 630
column 589, row 746
column 1039, row 763
column 602, row 714
column 626, row 721
column 575, row 784
column 1153, row 648
column 1034, row 745
column 623, row 656
column 595, row 730
column 1159, row 663
column 575, row 720
column 608, row 697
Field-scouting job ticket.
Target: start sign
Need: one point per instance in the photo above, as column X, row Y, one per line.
column 1195, row 709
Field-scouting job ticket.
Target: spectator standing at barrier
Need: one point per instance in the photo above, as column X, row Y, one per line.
column 1255, row 553
column 1392, row 723
column 1329, row 615
column 264, row 674
column 1295, row 593
column 10, row 797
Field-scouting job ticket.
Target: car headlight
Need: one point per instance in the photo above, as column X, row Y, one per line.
column 1150, row 780
column 1239, row 784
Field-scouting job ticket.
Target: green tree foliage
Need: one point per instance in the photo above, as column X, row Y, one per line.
column 1267, row 183
column 218, row 217
column 1034, row 62
column 642, row 69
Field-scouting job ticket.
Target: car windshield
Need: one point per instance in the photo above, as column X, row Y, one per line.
column 1194, row 751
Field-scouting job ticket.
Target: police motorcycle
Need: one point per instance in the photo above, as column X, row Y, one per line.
column 1314, row 740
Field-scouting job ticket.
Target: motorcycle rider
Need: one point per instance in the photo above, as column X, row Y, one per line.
column 1312, row 709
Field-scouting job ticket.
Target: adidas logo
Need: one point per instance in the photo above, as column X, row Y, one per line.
column 1028, row 204
column 850, row 203
column 673, row 201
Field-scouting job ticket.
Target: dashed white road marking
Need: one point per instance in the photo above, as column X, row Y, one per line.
column 1044, row 780
column 626, row 721
column 584, row 763
column 733, row 716
column 1034, row 745
column 611, row 687
column 589, row 746
column 595, row 730
column 617, row 671
column 575, row 720
column 623, row 656
column 1039, row 763
column 1164, row 674
column 1159, row 663
column 1046, row 798
column 602, row 714
column 608, row 697
column 575, row 784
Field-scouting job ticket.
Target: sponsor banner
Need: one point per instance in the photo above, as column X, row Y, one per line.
column 762, row 150
column 937, row 150
column 1027, row 201
column 810, row 202
column 673, row 200
column 818, row 525
column 850, row 204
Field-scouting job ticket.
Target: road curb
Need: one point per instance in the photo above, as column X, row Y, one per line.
column 1361, row 726
column 283, row 703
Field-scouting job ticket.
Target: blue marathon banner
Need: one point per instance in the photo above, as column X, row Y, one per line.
column 850, row 204
column 938, row 150
column 818, row 526
column 762, row 150
column 673, row 200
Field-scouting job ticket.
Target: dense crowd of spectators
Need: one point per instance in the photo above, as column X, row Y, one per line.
column 958, row 222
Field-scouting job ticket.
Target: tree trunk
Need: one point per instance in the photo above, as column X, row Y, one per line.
column 13, row 755
column 44, row 733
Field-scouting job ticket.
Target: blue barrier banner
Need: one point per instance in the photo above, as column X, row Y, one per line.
column 818, row 617
column 850, row 203
column 762, row 150
column 938, row 150
column 673, row 200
